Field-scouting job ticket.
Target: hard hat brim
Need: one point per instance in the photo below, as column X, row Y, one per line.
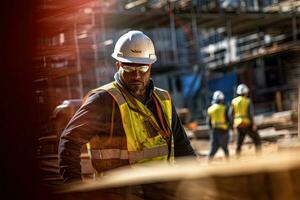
column 134, row 60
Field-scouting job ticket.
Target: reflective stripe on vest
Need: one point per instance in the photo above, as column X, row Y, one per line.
column 240, row 106
column 124, row 154
column 217, row 114
column 138, row 121
column 109, row 154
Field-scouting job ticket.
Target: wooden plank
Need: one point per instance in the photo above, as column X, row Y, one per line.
column 273, row 120
column 273, row 177
column 282, row 186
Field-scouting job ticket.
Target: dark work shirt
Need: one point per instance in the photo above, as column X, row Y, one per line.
column 95, row 117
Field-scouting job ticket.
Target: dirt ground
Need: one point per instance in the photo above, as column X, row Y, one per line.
column 202, row 148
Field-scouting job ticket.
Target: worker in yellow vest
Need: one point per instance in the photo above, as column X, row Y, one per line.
column 218, row 121
column 126, row 122
column 241, row 113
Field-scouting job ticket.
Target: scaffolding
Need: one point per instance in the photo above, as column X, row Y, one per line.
column 196, row 39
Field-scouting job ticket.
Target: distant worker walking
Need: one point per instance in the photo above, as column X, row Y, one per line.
column 241, row 112
column 218, row 122
column 127, row 121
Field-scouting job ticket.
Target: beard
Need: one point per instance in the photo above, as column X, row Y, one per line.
column 137, row 88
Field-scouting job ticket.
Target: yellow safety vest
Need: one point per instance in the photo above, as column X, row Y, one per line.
column 217, row 114
column 145, row 140
column 240, row 107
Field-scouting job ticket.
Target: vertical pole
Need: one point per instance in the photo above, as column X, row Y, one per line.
column 78, row 63
column 229, row 35
column 200, row 68
column 107, row 71
column 259, row 5
column 195, row 37
column 95, row 45
column 173, row 33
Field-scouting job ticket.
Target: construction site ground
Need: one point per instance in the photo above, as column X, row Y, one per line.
column 202, row 148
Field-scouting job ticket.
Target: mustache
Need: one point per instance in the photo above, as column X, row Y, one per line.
column 135, row 82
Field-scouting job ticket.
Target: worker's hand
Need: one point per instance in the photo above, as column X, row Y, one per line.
column 254, row 127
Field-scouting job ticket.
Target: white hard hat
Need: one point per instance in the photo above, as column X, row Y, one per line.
column 242, row 89
column 134, row 47
column 218, row 95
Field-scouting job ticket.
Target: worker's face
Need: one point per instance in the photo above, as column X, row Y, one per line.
column 135, row 76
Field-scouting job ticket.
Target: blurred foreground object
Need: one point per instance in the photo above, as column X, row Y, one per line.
column 48, row 144
column 274, row 177
column 63, row 113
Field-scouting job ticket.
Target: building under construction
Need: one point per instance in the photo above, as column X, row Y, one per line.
column 201, row 45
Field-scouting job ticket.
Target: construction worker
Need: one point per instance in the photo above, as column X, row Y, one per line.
column 241, row 113
column 127, row 121
column 218, row 122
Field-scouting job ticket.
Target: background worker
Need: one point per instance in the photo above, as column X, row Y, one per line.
column 241, row 112
column 127, row 121
column 218, row 122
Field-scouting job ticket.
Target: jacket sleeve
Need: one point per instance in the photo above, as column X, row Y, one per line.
column 182, row 144
column 87, row 122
